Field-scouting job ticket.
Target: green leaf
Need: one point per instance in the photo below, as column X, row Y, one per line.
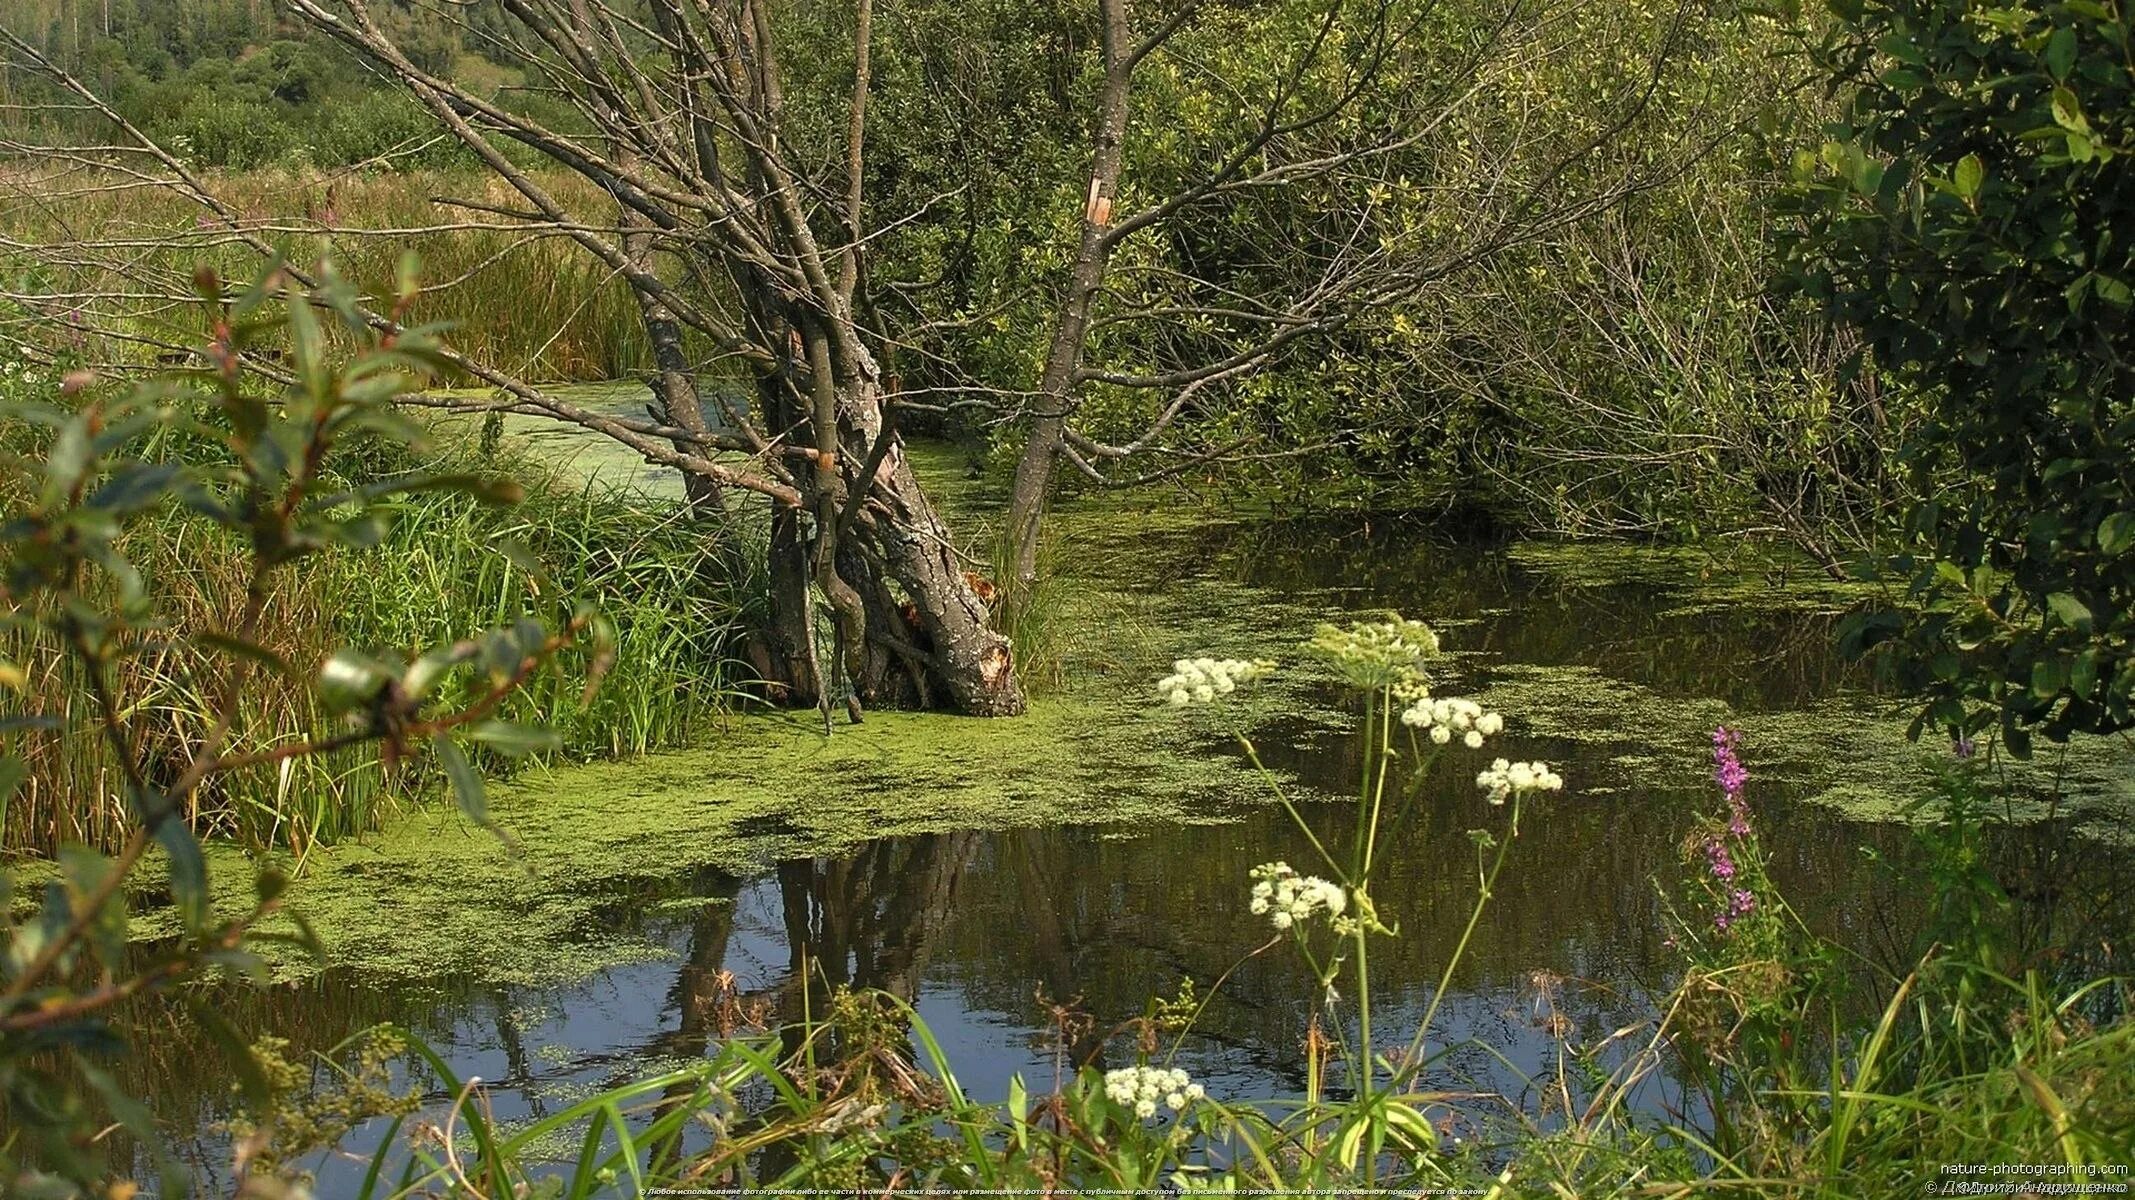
column 1970, row 174
column 230, row 644
column 12, row 772
column 66, row 460
column 188, row 868
column 407, row 278
column 2083, row 673
column 252, row 1082
column 138, row 1121
column 516, row 740
column 518, row 554
column 349, row 678
column 2061, row 52
column 426, row 671
column 466, row 781
column 135, row 486
column 308, row 348
column 2068, row 112
column 2048, row 677
column 2069, row 610
column 2117, row 532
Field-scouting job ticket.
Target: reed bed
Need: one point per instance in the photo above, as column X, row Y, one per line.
column 532, row 302
column 440, row 574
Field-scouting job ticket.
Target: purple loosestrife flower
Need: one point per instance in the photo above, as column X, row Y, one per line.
column 1731, row 775
column 1739, row 905
column 1718, row 861
column 1726, row 762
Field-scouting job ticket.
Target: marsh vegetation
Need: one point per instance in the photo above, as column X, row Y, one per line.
column 607, row 595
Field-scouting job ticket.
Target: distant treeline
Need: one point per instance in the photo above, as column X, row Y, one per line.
column 236, row 83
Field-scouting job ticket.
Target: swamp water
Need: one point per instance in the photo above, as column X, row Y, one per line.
column 1097, row 851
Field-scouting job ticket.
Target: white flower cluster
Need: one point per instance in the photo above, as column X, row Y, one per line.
column 1504, row 778
column 16, row 371
column 1285, row 897
column 1376, row 654
column 1140, row 1088
column 1453, row 717
column 1200, row 680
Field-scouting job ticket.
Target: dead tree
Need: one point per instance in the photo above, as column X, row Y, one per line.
column 727, row 230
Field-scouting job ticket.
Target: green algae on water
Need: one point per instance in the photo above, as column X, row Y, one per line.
column 434, row 895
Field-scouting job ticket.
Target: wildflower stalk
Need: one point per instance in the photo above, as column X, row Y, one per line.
column 1413, row 1063
column 1369, row 789
column 1252, row 755
column 1383, row 661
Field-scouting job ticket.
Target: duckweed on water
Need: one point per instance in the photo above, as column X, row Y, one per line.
column 1847, row 751
column 434, row 895
column 1694, row 578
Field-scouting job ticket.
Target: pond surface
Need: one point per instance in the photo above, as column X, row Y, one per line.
column 1097, row 852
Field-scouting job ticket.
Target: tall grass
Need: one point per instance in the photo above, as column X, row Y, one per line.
column 444, row 567
column 538, row 306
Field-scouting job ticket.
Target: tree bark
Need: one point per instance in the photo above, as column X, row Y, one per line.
column 947, row 634
column 1071, row 324
column 912, row 631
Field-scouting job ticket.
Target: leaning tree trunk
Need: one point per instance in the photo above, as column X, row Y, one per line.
column 927, row 638
column 1071, row 323
column 912, row 631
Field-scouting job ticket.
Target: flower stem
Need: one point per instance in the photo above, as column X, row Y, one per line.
column 1414, row 1061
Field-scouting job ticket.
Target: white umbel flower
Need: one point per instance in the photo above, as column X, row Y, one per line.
column 1143, row 1088
column 1286, row 897
column 1374, row 654
column 1504, row 778
column 1201, row 680
column 1450, row 717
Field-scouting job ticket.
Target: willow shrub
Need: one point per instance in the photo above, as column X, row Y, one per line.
column 90, row 465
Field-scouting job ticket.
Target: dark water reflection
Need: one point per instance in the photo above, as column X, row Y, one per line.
column 983, row 930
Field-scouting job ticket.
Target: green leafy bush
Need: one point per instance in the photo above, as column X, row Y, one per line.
column 1969, row 216
column 65, row 958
